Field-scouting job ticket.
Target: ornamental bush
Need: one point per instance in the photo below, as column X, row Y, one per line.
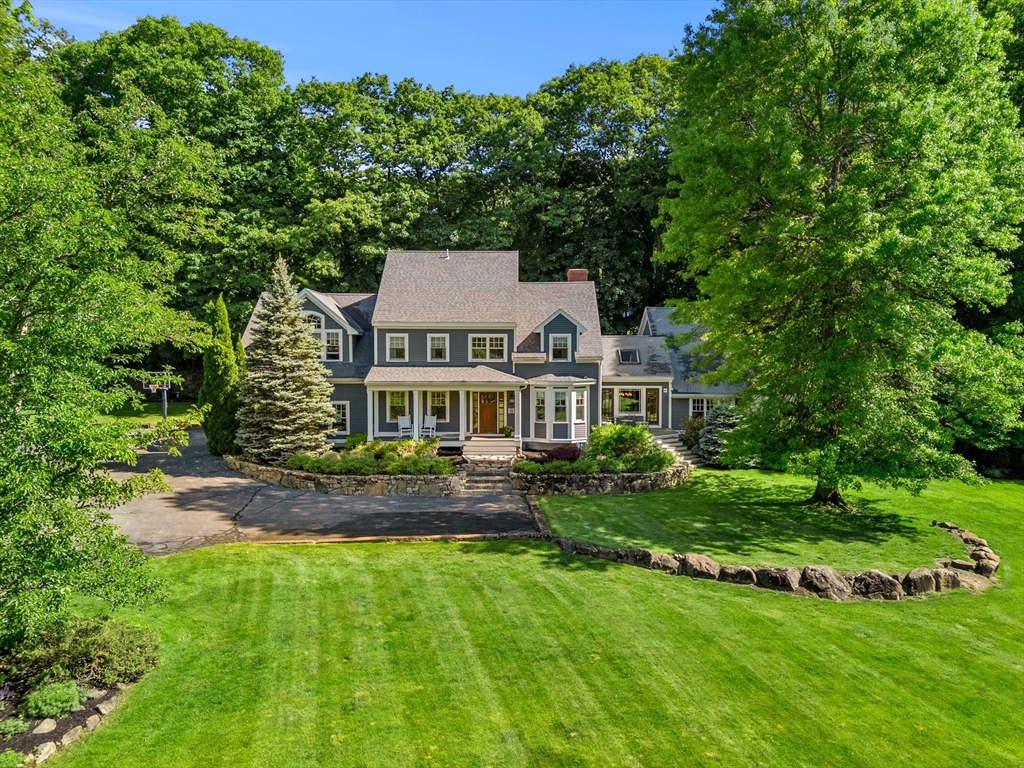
column 567, row 452
column 12, row 727
column 53, row 700
column 356, row 440
column 691, row 432
column 617, row 440
column 719, row 420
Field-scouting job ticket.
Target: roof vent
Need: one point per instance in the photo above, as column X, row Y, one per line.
column 577, row 275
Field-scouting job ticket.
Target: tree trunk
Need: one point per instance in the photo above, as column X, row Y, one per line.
column 823, row 494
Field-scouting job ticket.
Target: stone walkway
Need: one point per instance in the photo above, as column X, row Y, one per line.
column 212, row 504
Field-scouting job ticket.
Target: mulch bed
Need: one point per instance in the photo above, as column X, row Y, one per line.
column 28, row 741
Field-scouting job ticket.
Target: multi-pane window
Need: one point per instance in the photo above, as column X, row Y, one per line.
column 540, row 405
column 581, row 405
column 340, row 417
column 487, row 347
column 561, row 405
column 629, row 401
column 629, row 356
column 560, row 347
column 332, row 349
column 438, row 347
column 607, row 405
column 397, row 347
column 439, row 405
column 397, row 405
column 697, row 406
column 316, row 326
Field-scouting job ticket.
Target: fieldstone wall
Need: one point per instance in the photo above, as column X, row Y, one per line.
column 351, row 485
column 588, row 485
column 815, row 580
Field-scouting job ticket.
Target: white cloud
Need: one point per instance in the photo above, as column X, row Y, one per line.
column 80, row 15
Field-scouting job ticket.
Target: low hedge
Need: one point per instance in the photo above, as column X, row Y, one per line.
column 613, row 449
column 404, row 457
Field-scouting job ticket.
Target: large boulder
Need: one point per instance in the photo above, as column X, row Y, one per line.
column 567, row 545
column 970, row 538
column 946, row 579
column 638, row 557
column 986, row 567
column 587, row 550
column 781, row 579
column 737, row 574
column 919, row 581
column 825, row 583
column 982, row 553
column 876, row 585
column 668, row 563
column 962, row 565
column 700, row 567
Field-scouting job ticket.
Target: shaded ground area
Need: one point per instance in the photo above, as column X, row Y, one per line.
column 212, row 504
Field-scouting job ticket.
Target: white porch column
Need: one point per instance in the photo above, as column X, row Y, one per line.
column 416, row 418
column 462, row 414
column 370, row 413
column 516, row 433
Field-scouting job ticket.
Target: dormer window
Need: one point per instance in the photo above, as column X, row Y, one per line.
column 560, row 347
column 629, row 356
column 316, row 326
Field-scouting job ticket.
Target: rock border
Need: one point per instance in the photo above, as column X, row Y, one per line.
column 606, row 484
column 98, row 700
column 813, row 580
column 351, row 485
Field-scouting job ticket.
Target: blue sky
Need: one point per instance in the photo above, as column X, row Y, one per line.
column 500, row 47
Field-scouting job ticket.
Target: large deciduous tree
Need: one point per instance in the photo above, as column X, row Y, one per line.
column 847, row 172
column 74, row 305
column 285, row 407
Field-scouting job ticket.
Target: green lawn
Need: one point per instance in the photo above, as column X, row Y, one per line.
column 756, row 518
column 150, row 413
column 514, row 654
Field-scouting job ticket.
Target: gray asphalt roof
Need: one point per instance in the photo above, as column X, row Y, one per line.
column 536, row 302
column 439, row 374
column 551, row 378
column 654, row 357
column 686, row 367
column 357, row 308
column 465, row 287
column 659, row 320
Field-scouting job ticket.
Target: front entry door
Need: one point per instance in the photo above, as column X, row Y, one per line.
column 488, row 412
column 653, row 406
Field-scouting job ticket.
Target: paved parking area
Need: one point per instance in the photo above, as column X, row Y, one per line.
column 211, row 504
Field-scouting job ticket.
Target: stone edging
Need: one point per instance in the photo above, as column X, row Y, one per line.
column 48, row 749
column 814, row 580
column 351, row 485
column 587, row 485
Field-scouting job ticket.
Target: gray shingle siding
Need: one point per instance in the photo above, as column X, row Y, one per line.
column 458, row 347
column 355, row 395
column 560, row 325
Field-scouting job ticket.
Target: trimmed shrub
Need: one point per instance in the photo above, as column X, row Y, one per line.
column 691, row 431
column 355, row 440
column 609, row 466
column 11, row 759
column 53, row 700
column 527, row 467
column 617, row 440
column 100, row 651
column 12, row 727
column 568, row 452
column 428, row 447
column 557, row 468
column 719, row 420
column 584, row 466
column 650, row 462
column 363, row 462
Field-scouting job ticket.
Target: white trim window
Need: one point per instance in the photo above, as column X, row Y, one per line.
column 580, row 405
column 540, row 405
column 487, row 348
column 561, row 407
column 561, row 347
column 340, row 416
column 437, row 405
column 437, row 347
column 397, row 345
column 315, row 321
column 332, row 347
column 628, row 401
column 698, row 407
column 398, row 405
column 629, row 356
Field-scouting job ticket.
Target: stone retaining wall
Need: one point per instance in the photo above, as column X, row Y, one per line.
column 351, row 485
column 588, row 485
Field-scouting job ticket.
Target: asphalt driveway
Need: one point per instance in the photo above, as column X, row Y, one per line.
column 211, row 504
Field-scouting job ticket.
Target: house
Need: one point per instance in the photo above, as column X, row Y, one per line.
column 500, row 363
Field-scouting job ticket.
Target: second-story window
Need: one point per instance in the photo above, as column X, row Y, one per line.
column 487, row 347
column 397, row 343
column 316, row 326
column 560, row 347
column 437, row 345
column 332, row 349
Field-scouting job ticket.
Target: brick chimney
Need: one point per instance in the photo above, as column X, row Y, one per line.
column 576, row 275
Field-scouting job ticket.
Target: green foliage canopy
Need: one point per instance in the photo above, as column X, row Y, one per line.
column 846, row 174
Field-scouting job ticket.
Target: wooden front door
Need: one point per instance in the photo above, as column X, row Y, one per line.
column 488, row 412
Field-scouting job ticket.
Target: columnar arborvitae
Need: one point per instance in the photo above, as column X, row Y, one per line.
column 285, row 407
column 220, row 383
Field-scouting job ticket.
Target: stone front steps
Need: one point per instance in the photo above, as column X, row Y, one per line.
column 490, row 449
column 669, row 440
column 487, row 477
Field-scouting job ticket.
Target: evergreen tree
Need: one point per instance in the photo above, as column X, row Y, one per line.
column 284, row 396
column 220, row 382
column 720, row 419
column 240, row 357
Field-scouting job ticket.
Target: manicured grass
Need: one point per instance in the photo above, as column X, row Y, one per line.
column 150, row 413
column 757, row 518
column 514, row 654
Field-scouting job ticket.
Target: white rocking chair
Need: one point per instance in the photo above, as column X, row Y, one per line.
column 404, row 427
column 429, row 426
